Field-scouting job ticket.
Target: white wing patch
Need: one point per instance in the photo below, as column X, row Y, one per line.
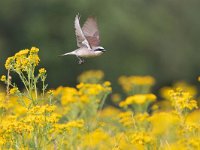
column 80, row 37
column 85, row 42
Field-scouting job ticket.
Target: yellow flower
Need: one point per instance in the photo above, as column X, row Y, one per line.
column 140, row 117
column 182, row 100
column 178, row 85
column 53, row 118
column 9, row 62
column 23, row 60
column 142, row 138
column 139, row 99
column 51, row 92
column 84, row 98
column 170, row 124
column 69, row 95
column 2, row 140
column 35, row 119
column 91, row 76
column 60, row 128
column 136, row 84
column 34, row 59
column 3, row 78
column 42, row 109
column 34, row 50
column 126, row 118
column 21, row 63
column 14, row 90
column 138, row 80
column 76, row 124
column 123, row 104
column 109, row 111
column 42, row 71
column 186, row 87
column 164, row 92
column 93, row 89
column 192, row 143
column 22, row 53
column 189, row 129
column 95, row 138
column 122, row 142
column 10, row 124
column 59, row 91
column 193, row 117
column 107, row 83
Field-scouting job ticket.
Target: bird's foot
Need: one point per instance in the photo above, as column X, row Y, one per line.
column 81, row 61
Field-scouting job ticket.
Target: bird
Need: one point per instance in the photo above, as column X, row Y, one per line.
column 88, row 40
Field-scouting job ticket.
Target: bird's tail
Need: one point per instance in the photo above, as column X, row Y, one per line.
column 70, row 53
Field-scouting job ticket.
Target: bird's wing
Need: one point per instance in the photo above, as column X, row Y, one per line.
column 91, row 32
column 80, row 38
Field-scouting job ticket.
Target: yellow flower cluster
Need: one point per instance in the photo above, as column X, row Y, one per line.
column 11, row 125
column 23, row 59
column 3, row 78
column 85, row 96
column 136, row 84
column 94, row 89
column 138, row 99
column 4, row 106
column 95, row 139
column 41, row 115
column 42, row 71
column 182, row 100
column 181, row 84
column 68, row 94
column 91, row 76
column 82, row 93
column 67, row 127
column 14, row 90
column 141, row 138
column 9, row 63
column 163, row 123
column 126, row 118
column 42, row 109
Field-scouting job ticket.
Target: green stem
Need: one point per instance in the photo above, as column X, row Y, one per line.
column 34, row 82
column 24, row 80
column 8, row 85
column 29, row 79
column 35, row 87
column 103, row 101
column 43, row 88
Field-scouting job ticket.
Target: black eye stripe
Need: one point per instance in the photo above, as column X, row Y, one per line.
column 100, row 49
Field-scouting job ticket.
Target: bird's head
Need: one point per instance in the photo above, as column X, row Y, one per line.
column 99, row 48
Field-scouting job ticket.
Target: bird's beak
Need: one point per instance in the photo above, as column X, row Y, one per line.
column 103, row 50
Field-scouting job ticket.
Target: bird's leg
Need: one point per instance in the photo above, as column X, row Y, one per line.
column 81, row 60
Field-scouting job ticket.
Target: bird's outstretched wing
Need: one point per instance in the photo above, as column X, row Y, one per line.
column 80, row 38
column 91, row 32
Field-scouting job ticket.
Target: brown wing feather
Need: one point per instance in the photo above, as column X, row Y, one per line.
column 91, row 32
column 81, row 39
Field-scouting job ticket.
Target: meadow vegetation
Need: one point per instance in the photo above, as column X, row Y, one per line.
column 76, row 118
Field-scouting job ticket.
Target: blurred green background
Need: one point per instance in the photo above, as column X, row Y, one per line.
column 142, row 37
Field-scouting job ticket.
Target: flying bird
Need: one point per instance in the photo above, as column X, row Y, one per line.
column 88, row 40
